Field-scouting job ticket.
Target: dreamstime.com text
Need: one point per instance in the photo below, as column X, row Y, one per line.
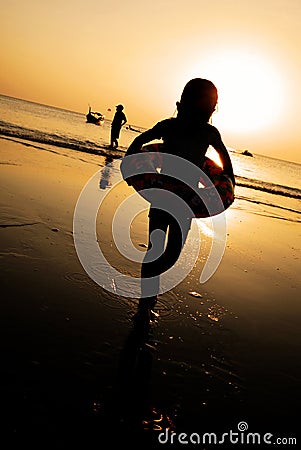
column 241, row 436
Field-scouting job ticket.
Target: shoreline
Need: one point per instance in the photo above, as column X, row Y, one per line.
column 65, row 339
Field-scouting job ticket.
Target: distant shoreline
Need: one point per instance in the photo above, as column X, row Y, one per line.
column 142, row 127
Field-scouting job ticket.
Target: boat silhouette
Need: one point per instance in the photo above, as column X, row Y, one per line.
column 94, row 117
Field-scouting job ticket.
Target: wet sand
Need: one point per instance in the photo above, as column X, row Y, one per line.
column 76, row 373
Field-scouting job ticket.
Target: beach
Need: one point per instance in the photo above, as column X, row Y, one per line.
column 76, row 372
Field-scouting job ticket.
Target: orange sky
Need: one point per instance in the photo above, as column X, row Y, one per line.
column 141, row 53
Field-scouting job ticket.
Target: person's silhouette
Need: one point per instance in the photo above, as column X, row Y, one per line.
column 117, row 123
column 187, row 135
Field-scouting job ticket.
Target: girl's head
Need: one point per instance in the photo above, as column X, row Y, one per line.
column 198, row 100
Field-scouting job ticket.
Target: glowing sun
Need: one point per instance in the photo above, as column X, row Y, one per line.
column 251, row 93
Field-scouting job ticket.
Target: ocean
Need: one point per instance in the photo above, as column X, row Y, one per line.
column 264, row 185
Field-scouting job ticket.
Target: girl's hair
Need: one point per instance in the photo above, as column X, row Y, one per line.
column 199, row 97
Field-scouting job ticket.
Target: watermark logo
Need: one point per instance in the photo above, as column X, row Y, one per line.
column 240, row 436
column 242, row 426
column 107, row 182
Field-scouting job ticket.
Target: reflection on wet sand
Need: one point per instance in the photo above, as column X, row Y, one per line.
column 131, row 410
column 104, row 181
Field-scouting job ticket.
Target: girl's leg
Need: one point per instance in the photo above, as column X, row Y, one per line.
column 163, row 250
column 152, row 261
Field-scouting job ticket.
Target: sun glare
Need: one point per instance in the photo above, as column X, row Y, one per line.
column 251, row 93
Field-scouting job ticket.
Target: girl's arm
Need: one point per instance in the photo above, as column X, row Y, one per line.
column 223, row 153
column 226, row 162
column 144, row 138
column 135, row 147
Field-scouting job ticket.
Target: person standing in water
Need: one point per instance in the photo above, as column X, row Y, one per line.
column 117, row 123
column 187, row 135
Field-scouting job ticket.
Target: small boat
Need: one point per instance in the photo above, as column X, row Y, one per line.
column 133, row 129
column 94, row 117
column 246, row 153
